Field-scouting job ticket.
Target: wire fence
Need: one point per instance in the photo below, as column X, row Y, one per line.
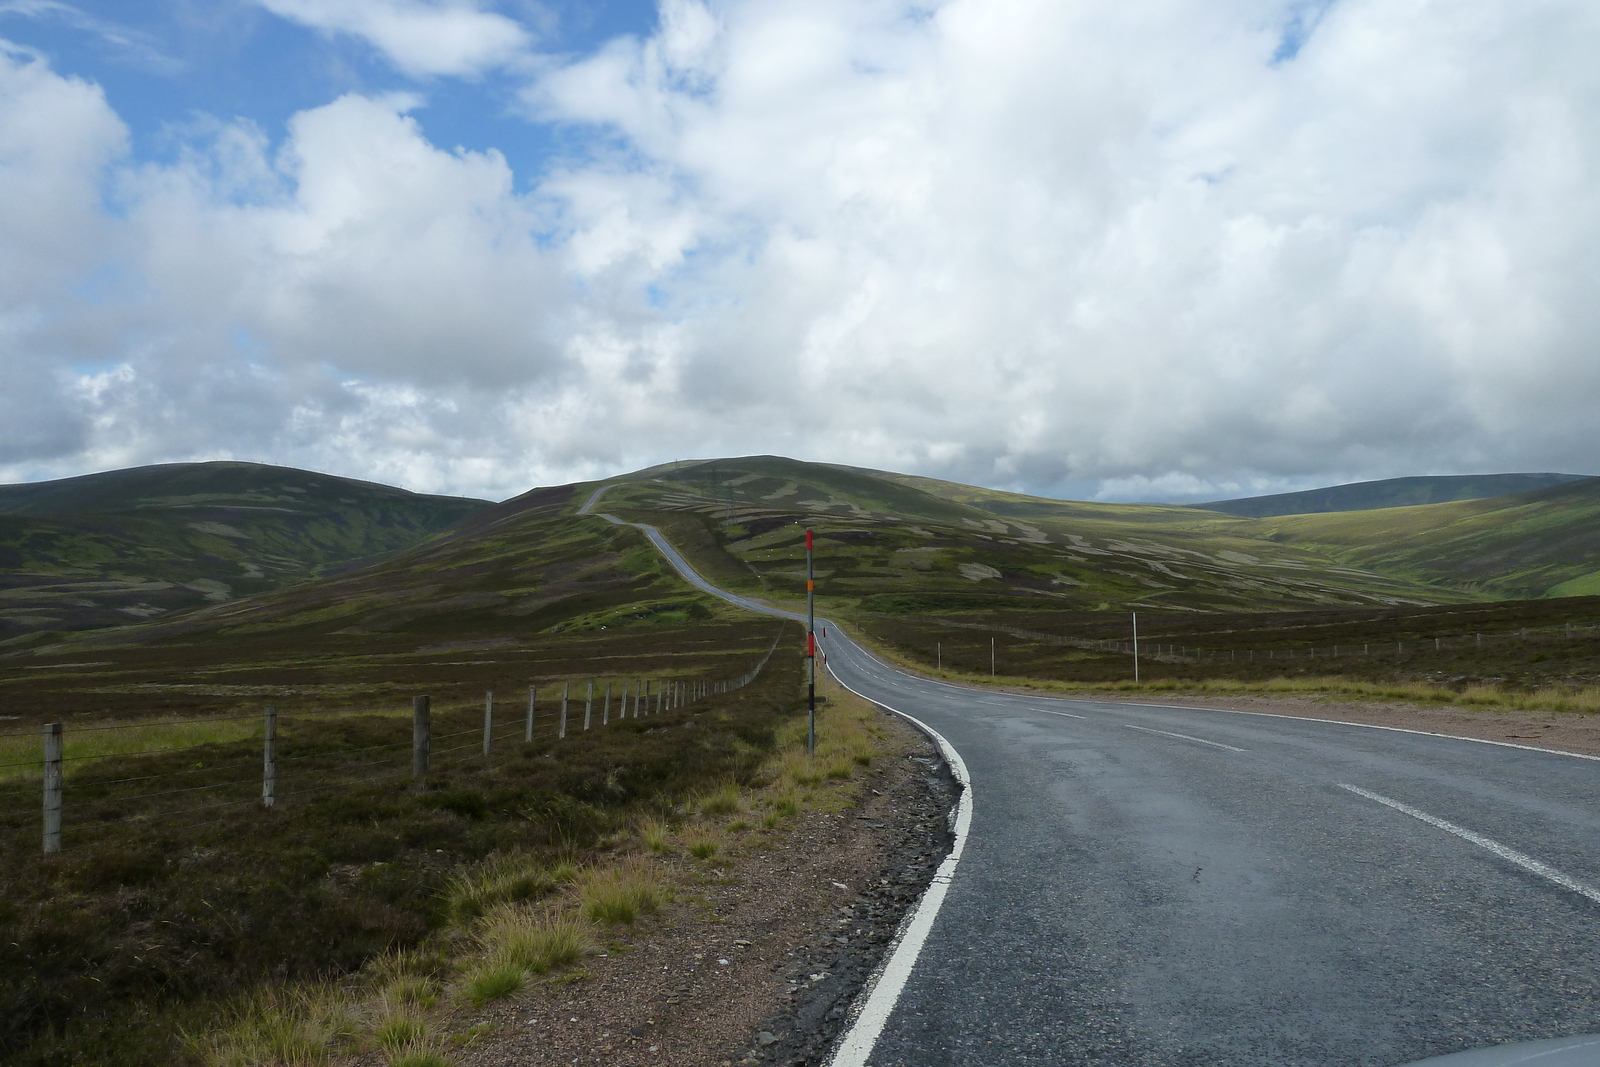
column 81, row 799
column 1175, row 652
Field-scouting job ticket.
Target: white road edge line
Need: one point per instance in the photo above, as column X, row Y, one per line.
column 1511, row 855
column 882, row 990
column 1186, row 737
column 1342, row 722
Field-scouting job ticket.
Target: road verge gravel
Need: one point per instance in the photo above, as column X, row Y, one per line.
column 765, row 948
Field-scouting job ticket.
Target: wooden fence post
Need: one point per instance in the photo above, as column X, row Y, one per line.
column 421, row 735
column 638, row 691
column 564, row 686
column 488, row 719
column 269, row 758
column 52, row 787
column 527, row 734
column 588, row 704
column 605, row 717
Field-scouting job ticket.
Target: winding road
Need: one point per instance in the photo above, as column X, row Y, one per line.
column 1155, row 885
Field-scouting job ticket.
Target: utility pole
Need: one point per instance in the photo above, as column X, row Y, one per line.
column 1136, row 647
column 811, row 649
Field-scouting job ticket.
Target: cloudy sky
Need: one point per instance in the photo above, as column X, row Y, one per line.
column 1134, row 249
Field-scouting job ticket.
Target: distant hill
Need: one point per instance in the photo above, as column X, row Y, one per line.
column 1388, row 493
column 1543, row 543
column 121, row 546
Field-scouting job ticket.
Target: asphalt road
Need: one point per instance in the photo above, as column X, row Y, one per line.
column 1166, row 885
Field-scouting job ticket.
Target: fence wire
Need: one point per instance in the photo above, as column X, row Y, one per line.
column 87, row 804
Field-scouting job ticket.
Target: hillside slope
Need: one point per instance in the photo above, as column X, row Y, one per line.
column 107, row 549
column 888, row 543
column 1388, row 493
column 1543, row 543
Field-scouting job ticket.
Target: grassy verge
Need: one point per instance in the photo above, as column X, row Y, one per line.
column 1490, row 696
column 519, row 919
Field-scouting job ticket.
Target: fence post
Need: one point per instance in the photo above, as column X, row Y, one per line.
column 588, row 704
column 660, row 694
column 488, row 719
column 421, row 731
column 269, row 758
column 527, row 734
column 605, row 716
column 563, row 731
column 52, row 787
column 640, row 691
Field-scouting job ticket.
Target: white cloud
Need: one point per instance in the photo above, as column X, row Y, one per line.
column 452, row 37
column 1127, row 248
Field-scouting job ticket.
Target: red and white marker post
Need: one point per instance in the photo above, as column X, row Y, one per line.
column 811, row 650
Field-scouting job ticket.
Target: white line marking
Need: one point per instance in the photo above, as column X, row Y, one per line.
column 1186, row 737
column 1520, row 859
column 878, row 997
column 1363, row 725
column 1063, row 714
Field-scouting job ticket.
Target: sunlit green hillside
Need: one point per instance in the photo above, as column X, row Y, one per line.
column 1543, row 543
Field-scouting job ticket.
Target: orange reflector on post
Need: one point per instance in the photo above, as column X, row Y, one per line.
column 810, row 585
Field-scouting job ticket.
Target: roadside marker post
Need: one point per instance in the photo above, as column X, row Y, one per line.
column 269, row 758
column 421, row 727
column 1136, row 646
column 811, row 649
column 52, row 787
column 488, row 719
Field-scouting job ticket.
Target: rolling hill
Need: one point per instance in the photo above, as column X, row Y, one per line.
column 897, row 544
column 116, row 548
column 1537, row 544
column 1389, row 493
column 112, row 548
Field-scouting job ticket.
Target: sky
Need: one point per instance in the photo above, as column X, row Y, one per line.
column 1109, row 249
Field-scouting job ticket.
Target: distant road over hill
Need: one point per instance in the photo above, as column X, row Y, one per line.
column 122, row 546
column 1389, row 493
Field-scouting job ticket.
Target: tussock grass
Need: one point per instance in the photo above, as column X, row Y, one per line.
column 285, row 1028
column 656, row 835
column 724, row 801
column 703, row 845
column 622, row 893
column 399, row 1031
column 492, row 980
column 536, row 943
column 510, row 878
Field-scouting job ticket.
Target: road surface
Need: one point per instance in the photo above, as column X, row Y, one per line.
column 1152, row 885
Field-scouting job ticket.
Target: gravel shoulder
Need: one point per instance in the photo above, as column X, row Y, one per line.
column 765, row 947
